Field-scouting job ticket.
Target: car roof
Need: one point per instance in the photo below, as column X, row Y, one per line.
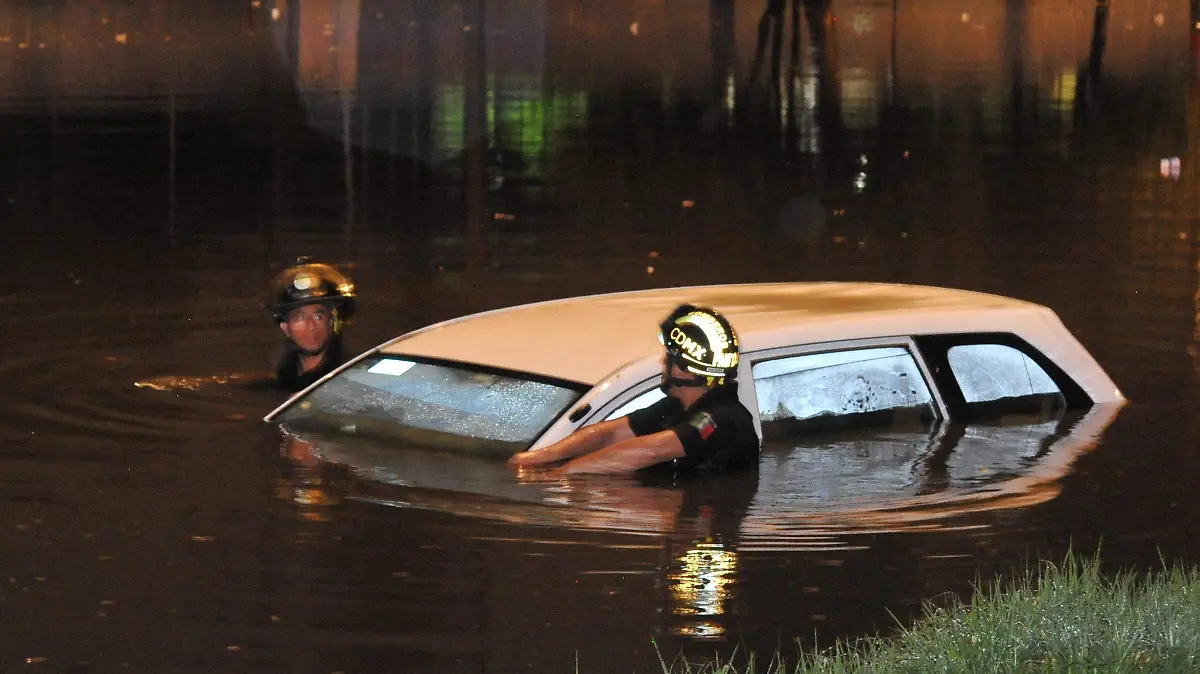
column 585, row 339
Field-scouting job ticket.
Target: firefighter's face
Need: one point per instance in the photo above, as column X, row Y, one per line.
column 310, row 327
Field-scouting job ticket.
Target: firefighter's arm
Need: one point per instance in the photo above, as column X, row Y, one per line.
column 584, row 441
column 629, row 455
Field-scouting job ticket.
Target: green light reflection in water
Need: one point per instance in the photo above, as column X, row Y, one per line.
column 520, row 115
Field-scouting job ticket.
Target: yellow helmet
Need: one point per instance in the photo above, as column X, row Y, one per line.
column 702, row 342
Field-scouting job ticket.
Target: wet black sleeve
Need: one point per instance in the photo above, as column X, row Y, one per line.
column 708, row 432
column 650, row 419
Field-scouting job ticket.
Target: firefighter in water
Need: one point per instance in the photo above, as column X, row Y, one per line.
column 311, row 302
column 699, row 427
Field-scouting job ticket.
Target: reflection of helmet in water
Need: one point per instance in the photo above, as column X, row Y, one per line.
column 701, row 341
column 311, row 283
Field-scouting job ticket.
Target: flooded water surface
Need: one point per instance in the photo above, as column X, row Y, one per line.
column 151, row 521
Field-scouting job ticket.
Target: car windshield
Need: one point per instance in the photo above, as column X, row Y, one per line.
column 435, row 404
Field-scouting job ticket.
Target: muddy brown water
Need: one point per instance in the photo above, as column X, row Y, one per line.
column 149, row 521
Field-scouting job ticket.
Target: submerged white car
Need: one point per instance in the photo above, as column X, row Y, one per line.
column 817, row 358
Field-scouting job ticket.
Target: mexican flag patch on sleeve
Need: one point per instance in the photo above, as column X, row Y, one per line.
column 704, row 424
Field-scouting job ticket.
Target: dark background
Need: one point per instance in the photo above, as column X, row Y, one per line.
column 159, row 162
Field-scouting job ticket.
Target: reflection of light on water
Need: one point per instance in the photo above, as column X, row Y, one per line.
column 1062, row 97
column 173, row 383
column 804, row 96
column 526, row 119
column 783, row 516
column 861, row 99
column 1194, row 348
column 860, row 183
column 701, row 630
column 702, row 585
column 310, row 497
column 730, row 94
column 306, row 487
column 1170, row 168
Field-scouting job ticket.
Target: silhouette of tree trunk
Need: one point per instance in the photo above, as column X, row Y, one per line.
column 1089, row 79
column 476, row 136
column 1015, row 39
column 825, row 61
column 819, row 14
column 346, row 92
column 770, row 25
column 415, row 220
column 893, row 68
column 776, row 59
column 1193, row 178
column 792, row 132
column 292, row 41
column 724, row 61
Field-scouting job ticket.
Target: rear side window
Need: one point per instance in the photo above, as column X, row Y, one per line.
column 1002, row 379
column 879, row 386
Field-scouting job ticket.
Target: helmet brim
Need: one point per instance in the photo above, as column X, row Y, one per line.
column 344, row 305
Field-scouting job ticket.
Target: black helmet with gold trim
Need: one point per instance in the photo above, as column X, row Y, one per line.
column 311, row 283
column 701, row 341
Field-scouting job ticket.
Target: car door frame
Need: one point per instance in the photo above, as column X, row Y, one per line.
column 598, row 414
column 935, row 348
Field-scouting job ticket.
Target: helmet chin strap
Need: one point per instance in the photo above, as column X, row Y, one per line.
column 700, row 381
column 668, row 383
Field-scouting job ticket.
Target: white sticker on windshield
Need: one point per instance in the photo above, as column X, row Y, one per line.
column 392, row 366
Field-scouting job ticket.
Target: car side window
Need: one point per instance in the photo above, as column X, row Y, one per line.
column 644, row 400
column 1002, row 379
column 841, row 389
